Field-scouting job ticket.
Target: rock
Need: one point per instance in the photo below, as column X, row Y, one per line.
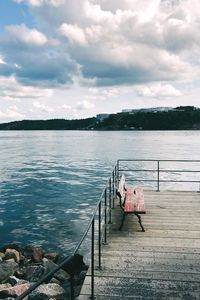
column 11, row 246
column 52, row 256
column 14, row 291
column 2, row 255
column 61, row 275
column 12, row 254
column 37, row 255
column 46, row 291
column 10, row 260
column 75, row 265
column 78, row 281
column 7, row 269
column 28, row 251
column 34, row 273
column 54, row 280
column 13, row 280
column 20, row 273
column 22, row 281
column 4, row 286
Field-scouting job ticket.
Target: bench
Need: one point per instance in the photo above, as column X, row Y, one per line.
column 131, row 201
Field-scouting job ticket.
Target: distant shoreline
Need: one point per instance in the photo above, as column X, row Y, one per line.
column 180, row 118
column 99, row 130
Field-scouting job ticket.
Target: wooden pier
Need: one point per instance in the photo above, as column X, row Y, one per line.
column 161, row 263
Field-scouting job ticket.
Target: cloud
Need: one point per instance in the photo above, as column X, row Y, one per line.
column 43, row 107
column 38, row 3
column 12, row 114
column 2, row 62
column 107, row 43
column 47, row 66
column 10, row 89
column 22, row 34
column 74, row 34
column 158, row 91
column 102, row 94
column 84, row 105
column 67, row 107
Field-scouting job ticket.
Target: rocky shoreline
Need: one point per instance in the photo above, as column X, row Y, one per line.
column 21, row 267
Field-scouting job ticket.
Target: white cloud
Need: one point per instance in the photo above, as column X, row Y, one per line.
column 2, row 61
column 10, row 89
column 28, row 36
column 95, row 13
column 125, row 42
column 111, row 92
column 149, row 47
column 11, row 114
column 84, row 105
column 38, row 3
column 74, row 34
column 43, row 107
column 158, row 91
column 67, row 107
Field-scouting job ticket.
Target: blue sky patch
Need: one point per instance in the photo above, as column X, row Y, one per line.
column 13, row 13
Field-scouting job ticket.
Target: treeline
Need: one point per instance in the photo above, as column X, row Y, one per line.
column 54, row 124
column 180, row 118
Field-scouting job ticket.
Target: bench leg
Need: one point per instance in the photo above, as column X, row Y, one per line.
column 140, row 222
column 122, row 222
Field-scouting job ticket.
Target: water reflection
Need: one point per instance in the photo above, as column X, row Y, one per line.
column 51, row 181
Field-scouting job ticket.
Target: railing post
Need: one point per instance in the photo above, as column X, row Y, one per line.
column 113, row 189
column 92, row 262
column 99, row 236
column 110, row 201
column 72, row 286
column 116, row 175
column 158, row 176
column 105, row 217
column 117, row 171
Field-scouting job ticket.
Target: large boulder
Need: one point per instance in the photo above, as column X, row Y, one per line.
column 34, row 273
column 61, row 275
column 7, row 269
column 12, row 254
column 47, row 291
column 37, row 255
column 14, row 291
column 54, row 256
column 75, row 265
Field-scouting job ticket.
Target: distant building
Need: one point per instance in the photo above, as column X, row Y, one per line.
column 150, row 109
column 127, row 110
column 101, row 117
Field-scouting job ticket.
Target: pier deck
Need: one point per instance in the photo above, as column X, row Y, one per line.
column 161, row 263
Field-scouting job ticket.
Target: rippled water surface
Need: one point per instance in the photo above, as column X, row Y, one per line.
column 51, row 180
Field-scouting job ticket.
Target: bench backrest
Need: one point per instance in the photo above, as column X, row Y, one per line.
column 121, row 187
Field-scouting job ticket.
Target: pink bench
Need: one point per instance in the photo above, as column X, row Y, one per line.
column 131, row 201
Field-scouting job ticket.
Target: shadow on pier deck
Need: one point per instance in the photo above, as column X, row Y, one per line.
column 161, row 263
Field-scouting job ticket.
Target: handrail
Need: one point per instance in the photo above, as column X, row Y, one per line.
column 172, row 160
column 107, row 206
column 160, row 170
column 111, row 181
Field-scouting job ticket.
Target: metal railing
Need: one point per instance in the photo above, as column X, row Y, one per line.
column 159, row 170
column 103, row 211
column 102, row 214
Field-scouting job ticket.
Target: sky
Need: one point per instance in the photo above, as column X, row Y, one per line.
column 78, row 58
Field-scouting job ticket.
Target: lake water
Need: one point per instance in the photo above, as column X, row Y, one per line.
column 50, row 181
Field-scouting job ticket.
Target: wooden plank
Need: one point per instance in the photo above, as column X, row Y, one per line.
column 163, row 262
column 123, row 287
